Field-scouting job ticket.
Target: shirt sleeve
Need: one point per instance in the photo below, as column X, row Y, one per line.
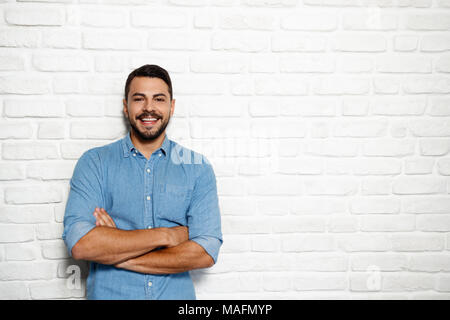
column 204, row 213
column 84, row 196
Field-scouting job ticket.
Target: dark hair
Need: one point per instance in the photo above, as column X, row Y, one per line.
column 151, row 71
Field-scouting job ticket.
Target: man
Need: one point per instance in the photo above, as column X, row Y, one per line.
column 143, row 210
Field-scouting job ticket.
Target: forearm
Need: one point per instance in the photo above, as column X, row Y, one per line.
column 184, row 257
column 111, row 245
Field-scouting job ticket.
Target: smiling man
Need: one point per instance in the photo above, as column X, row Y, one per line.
column 143, row 210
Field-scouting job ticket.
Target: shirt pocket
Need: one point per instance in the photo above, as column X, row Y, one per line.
column 173, row 204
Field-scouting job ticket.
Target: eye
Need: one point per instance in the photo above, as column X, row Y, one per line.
column 160, row 99
column 138, row 99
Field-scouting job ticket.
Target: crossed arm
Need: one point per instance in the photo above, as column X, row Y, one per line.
column 134, row 249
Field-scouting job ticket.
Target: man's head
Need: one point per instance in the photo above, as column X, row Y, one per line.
column 148, row 103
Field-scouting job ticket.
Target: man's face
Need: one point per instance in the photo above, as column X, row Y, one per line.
column 149, row 107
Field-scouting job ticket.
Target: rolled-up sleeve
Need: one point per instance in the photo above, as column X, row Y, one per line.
column 85, row 194
column 204, row 214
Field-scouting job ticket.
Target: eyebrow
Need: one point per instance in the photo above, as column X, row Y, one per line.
column 154, row 96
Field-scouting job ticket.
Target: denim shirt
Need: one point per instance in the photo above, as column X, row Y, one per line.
column 175, row 187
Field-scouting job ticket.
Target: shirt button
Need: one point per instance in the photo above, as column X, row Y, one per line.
column 148, row 197
column 150, row 283
column 134, row 154
column 148, row 170
column 159, row 154
column 149, row 227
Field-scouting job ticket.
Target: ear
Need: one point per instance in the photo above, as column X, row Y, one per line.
column 125, row 108
column 172, row 107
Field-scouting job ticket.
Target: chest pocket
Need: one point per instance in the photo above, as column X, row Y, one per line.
column 173, row 204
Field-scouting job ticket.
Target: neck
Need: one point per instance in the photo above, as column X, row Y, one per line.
column 147, row 147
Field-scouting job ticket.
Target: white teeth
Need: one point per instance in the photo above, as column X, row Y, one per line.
column 149, row 119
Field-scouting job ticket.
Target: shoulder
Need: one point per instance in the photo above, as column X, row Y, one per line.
column 102, row 153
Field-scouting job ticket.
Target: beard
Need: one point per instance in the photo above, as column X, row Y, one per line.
column 149, row 133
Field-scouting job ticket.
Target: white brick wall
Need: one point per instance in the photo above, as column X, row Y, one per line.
column 327, row 122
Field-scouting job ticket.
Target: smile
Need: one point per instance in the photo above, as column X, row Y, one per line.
column 148, row 122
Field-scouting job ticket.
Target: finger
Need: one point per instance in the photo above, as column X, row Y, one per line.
column 102, row 219
column 108, row 218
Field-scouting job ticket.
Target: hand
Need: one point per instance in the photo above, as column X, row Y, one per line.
column 103, row 219
column 178, row 235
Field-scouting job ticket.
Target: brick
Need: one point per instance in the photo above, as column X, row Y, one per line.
column 235, row 243
column 388, row 223
column 244, row 225
column 293, row 42
column 389, row 148
column 10, row 290
column 29, row 151
column 359, row 43
column 322, row 206
column 407, row 281
column 355, row 64
column 11, row 233
column 15, row 130
column 340, row 85
column 109, row 130
column 19, row 37
column 319, row 261
column 398, row 106
column 16, row 108
column 61, row 39
column 246, row 21
column 430, row 222
column 51, row 130
column 299, row 224
column 443, row 284
column 216, row 64
column 236, row 206
column 440, row 106
column 35, row 16
column 425, row 262
column 405, row 42
column 12, row 62
column 271, row 3
column 54, row 250
column 102, row 18
column 377, row 166
column 433, row 146
column 32, row 194
column 28, row 214
column 435, row 42
column 320, row 281
column 427, row 21
column 22, row 251
column 307, row 242
column 361, row 128
column 59, row 62
column 275, row 281
column 247, row 41
column 363, row 242
column 102, row 40
column 265, row 243
column 383, row 261
column 419, row 185
column 417, row 242
column 419, row 166
column 171, row 40
column 55, row 289
column 49, row 231
column 369, row 21
column 307, row 63
column 276, row 185
column 214, row 108
column 343, row 224
column 386, row 85
column 403, row 64
column 12, row 171
column 309, row 22
column 50, row 171
column 157, row 18
column 442, row 64
column 24, row 84
column 109, row 63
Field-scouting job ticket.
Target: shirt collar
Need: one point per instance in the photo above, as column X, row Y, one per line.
column 129, row 147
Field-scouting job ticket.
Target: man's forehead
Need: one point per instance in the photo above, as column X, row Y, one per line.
column 148, row 85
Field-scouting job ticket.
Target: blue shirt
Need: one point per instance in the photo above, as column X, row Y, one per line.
column 176, row 186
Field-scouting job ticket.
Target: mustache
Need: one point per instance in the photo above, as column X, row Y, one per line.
column 148, row 115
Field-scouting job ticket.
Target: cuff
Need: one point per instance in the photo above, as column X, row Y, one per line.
column 210, row 244
column 75, row 232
